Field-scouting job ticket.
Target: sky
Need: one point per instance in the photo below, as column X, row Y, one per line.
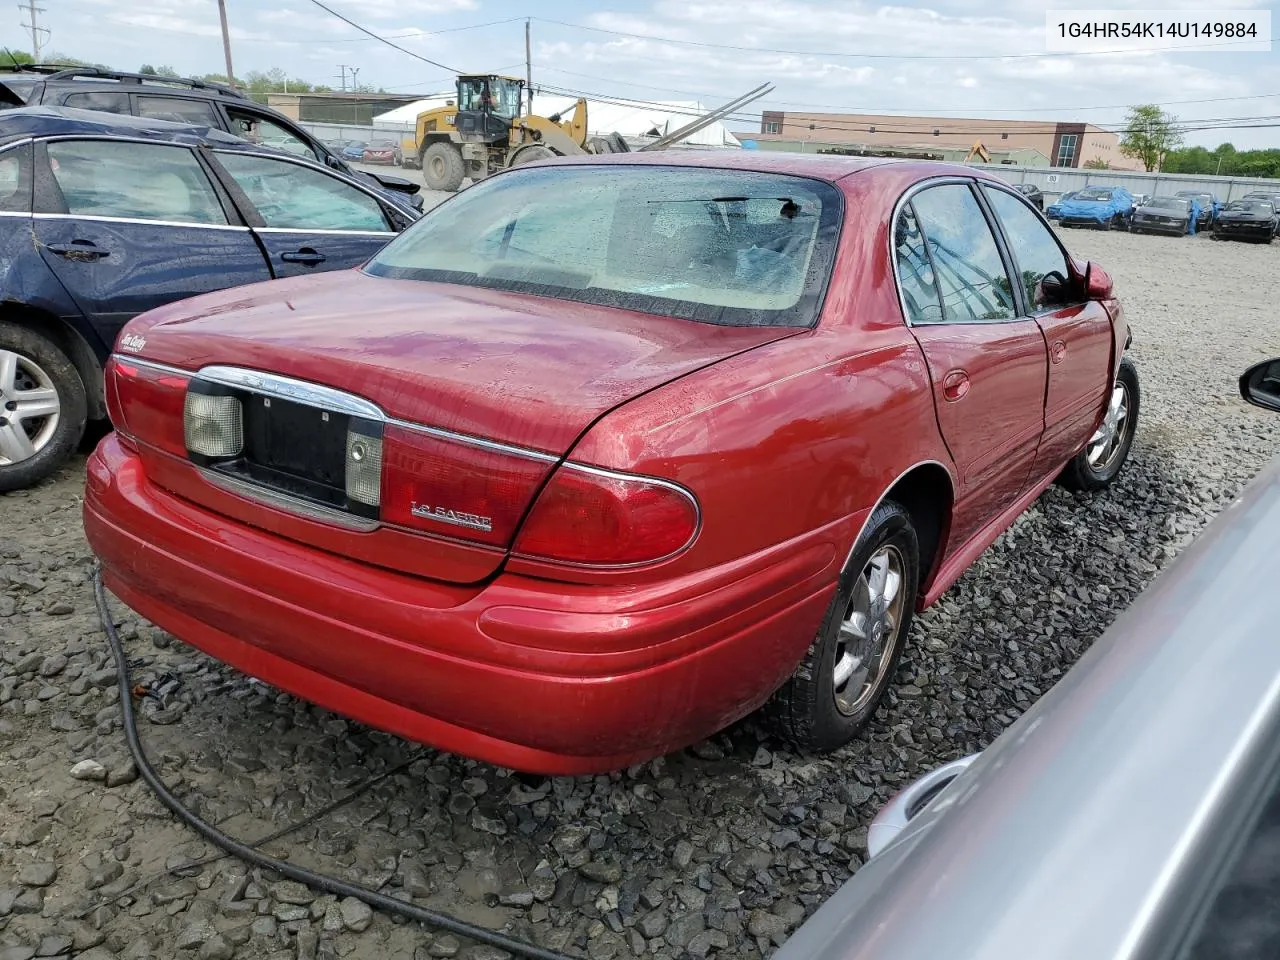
column 966, row 58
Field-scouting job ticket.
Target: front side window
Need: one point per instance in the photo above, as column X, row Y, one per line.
column 258, row 129
column 965, row 258
column 104, row 101
column 1034, row 248
column 291, row 196
column 178, row 109
column 136, row 181
column 725, row 247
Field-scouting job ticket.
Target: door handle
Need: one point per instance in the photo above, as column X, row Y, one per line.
column 1057, row 351
column 955, row 385
column 305, row 255
column 82, row 250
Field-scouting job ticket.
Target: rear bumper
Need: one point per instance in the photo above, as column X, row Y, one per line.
column 538, row 676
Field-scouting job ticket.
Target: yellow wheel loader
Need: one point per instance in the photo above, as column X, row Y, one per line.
column 483, row 132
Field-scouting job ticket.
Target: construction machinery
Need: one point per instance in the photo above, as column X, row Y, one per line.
column 978, row 150
column 483, row 131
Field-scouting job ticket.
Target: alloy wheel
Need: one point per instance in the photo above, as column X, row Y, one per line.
column 1107, row 441
column 869, row 630
column 29, row 408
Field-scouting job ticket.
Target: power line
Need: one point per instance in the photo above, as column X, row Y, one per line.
column 887, row 56
column 352, row 23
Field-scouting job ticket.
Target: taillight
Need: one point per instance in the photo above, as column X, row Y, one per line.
column 596, row 517
column 147, row 403
column 456, row 489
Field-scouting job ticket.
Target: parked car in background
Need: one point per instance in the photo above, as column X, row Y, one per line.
column 409, row 157
column 1139, row 199
column 1109, row 821
column 1032, row 193
column 382, row 151
column 1175, row 215
column 182, row 101
column 1253, row 220
column 354, row 150
column 570, row 419
column 105, row 216
column 1104, row 207
column 1208, row 204
column 1054, row 210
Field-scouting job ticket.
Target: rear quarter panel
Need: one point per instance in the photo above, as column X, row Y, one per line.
column 797, row 439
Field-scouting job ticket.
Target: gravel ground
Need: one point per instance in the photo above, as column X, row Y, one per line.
column 717, row 851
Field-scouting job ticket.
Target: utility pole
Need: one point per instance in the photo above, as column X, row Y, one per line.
column 354, row 71
column 226, row 42
column 342, row 77
column 528, row 67
column 34, row 28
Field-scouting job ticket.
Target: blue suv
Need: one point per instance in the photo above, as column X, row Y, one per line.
column 103, row 217
column 1102, row 207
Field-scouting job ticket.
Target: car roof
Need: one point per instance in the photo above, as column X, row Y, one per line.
column 830, row 167
column 38, row 122
column 91, row 78
column 1090, row 827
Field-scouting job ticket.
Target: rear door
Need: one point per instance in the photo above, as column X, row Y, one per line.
column 130, row 226
column 1078, row 332
column 987, row 364
column 306, row 218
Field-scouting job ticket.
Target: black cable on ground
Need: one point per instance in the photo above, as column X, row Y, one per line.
column 317, row 881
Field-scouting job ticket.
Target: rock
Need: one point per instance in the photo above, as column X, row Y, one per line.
column 683, row 854
column 217, row 948
column 54, row 945
column 122, row 774
column 307, row 944
column 29, row 901
column 53, row 665
column 89, row 770
column 290, row 891
column 194, row 935
column 266, row 927
column 332, row 922
column 653, row 924
column 768, row 926
column 356, row 914
column 100, row 876
column 516, row 898
column 290, row 913
column 17, row 953
column 38, row 874
column 60, row 609
column 446, row 946
column 602, row 871
column 684, row 928
column 483, row 951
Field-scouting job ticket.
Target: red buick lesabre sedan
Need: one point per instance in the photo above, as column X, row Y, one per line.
column 601, row 456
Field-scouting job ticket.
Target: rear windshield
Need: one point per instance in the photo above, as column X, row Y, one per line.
column 1168, row 203
column 1093, row 194
column 1251, row 206
column 716, row 246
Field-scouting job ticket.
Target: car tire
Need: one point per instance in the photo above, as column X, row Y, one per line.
column 29, row 361
column 533, row 154
column 1097, row 465
column 442, row 167
column 818, row 710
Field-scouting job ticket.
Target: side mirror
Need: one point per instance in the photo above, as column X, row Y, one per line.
column 1260, row 385
column 1097, row 282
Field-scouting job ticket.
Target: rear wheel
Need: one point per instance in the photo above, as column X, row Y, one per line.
column 42, row 407
column 1102, row 458
column 442, row 167
column 850, row 663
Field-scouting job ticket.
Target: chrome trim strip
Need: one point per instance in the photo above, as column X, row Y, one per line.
column 470, row 441
column 152, row 365
column 93, row 218
column 287, row 388
column 273, row 498
column 902, row 201
column 327, row 233
column 15, row 214
column 17, row 143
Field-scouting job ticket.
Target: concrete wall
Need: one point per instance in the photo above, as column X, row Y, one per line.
column 1058, row 180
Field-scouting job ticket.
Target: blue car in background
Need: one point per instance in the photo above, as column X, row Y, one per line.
column 1102, row 207
column 1209, row 207
column 1054, row 210
column 105, row 216
column 354, row 150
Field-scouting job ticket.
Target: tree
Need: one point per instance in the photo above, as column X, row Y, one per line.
column 161, row 71
column 1149, row 134
column 14, row 58
column 1097, row 163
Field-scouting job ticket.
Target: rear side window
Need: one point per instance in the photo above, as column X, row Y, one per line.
column 292, row 196
column 718, row 246
column 105, row 101
column 178, row 109
column 136, row 181
column 966, row 261
column 915, row 272
column 15, row 180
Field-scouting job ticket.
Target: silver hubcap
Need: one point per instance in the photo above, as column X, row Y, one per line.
column 869, row 630
column 29, row 408
column 1104, row 445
